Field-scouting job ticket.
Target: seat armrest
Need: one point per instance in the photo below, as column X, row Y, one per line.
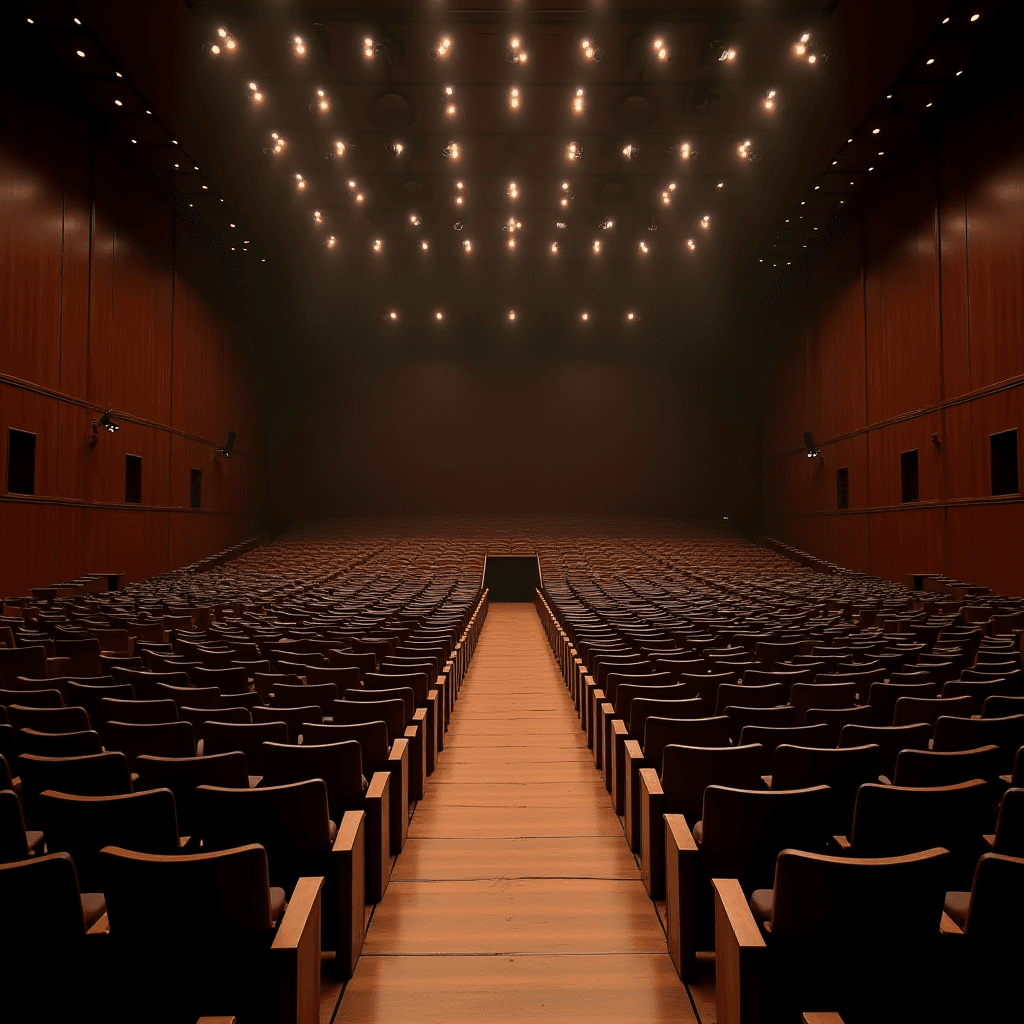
column 884, row 780
column 378, row 835
column 652, row 827
column 681, row 887
column 348, row 854
column 417, row 762
column 842, row 843
column 398, row 761
column 633, row 761
column 295, row 955
column 617, row 764
column 767, row 780
column 740, row 952
column 821, row 1018
column 947, row 926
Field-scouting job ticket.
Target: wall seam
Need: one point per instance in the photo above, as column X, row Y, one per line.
column 170, row 404
column 866, row 430
column 942, row 357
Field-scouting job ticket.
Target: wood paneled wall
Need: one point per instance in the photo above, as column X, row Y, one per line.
column 919, row 346
column 99, row 310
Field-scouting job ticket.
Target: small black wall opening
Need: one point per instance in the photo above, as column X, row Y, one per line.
column 511, row 578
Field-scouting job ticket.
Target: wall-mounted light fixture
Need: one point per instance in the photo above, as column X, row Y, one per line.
column 107, row 424
column 228, row 447
column 813, row 451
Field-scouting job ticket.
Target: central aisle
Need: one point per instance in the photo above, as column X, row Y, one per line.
column 516, row 898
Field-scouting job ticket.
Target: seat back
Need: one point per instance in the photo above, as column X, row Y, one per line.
column 883, row 696
column 319, row 694
column 291, row 822
column 418, row 682
column 13, row 837
column 31, row 698
column 738, row 695
column 687, row 771
column 912, row 710
column 343, row 678
column 835, row 718
column 978, row 691
column 769, row 737
column 144, row 683
column 969, row 733
column 997, row 905
column 628, row 692
column 364, row 661
column 233, row 679
column 804, row 696
column 687, row 732
column 183, row 775
column 372, row 738
column 83, row 825
column 113, row 709
column 1010, row 824
column 890, row 739
column 782, row 716
column 642, row 708
column 224, row 737
column 762, row 677
column 402, row 693
column 743, row 830
column 21, row 661
column 636, row 679
column 930, row 768
column 295, row 718
column 56, row 719
column 340, row 765
column 191, row 696
column 89, row 696
column 391, row 712
column 890, row 821
column 165, row 739
column 998, row 706
column 83, row 656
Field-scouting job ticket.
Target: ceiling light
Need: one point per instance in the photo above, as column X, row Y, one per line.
column 591, row 51
column 584, row 316
column 578, row 102
column 563, row 202
column 721, row 184
column 565, row 186
column 318, row 217
column 298, row 46
column 81, row 53
column 660, row 49
column 368, row 48
column 608, row 225
column 705, row 221
column 666, row 198
column 393, row 315
column 574, row 151
column 930, row 60
column 769, row 100
column 743, row 150
column 686, row 151
column 378, row 245
column 322, row 103
column 975, row 17
column 515, row 54
column 414, row 220
column 339, row 148
column 442, row 47
column 631, row 316
column 452, row 151
column 630, row 150
column 511, row 314
column 448, row 90
column 424, row 245
column 511, row 243
column 561, row 225
column 118, row 103
column 331, row 242
column 691, row 245
column 467, row 245
column 643, row 248
column 459, row 185
column 439, row 315
column 458, row 200
column 597, row 245
column 554, row 248
column 513, row 190
column 513, row 98
column 450, row 110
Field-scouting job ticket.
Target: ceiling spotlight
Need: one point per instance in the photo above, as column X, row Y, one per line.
column 705, row 221
column 554, row 248
column 368, row 48
column 450, row 109
column 511, row 243
column 769, row 101
column 451, row 151
column 81, row 53
column 459, row 185
column 359, row 197
column 578, row 102
column 565, row 186
column 118, row 103
column 608, row 225
column 631, row 316
column 513, row 190
column 584, row 317
column 643, row 248
column 563, row 202
column 573, row 151
column 300, row 182
column 513, row 98
column 439, row 315
column 254, row 93
column 393, row 315
column 687, row 151
column 298, row 46
column 424, row 245
column 331, row 242
column 728, row 55
column 511, row 314
column 666, row 198
column 596, row 245
column 322, row 103
column 806, row 49
column 561, row 225
column 318, row 217
column 108, row 424
column 339, row 147
column 414, row 220
column 442, row 48
column 515, row 54
column 378, row 245
column 743, row 150
column 458, row 200
column 630, row 150
column 591, row 51
column 660, row 49
column 691, row 245
column 467, row 245
column 277, row 144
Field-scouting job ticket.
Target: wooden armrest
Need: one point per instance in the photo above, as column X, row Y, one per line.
column 884, row 780
column 398, row 761
column 1008, row 779
column 616, row 770
column 417, row 761
column 633, row 761
column 991, row 840
column 767, row 780
column 821, row 1018
column 842, row 842
column 947, row 926
column 100, row 927
column 350, row 866
column 652, row 825
column 217, row 1020
column 681, row 885
column 739, row 951
column 295, row 955
column 255, row 780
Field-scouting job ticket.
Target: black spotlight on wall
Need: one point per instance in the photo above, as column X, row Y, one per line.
column 107, row 424
column 813, row 451
column 228, row 447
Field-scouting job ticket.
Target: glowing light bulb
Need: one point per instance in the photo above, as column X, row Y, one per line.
column 563, row 202
column 813, row 59
column 452, row 151
column 467, row 245
column 215, row 50
column 584, row 316
column 339, row 148
column 573, row 151
column 671, row 186
column 686, row 151
column 368, row 48
column 597, row 245
column 514, row 42
column 81, row 53
column 577, row 102
column 414, row 220
column 554, row 248
column 513, row 190
column 393, row 315
column 439, row 315
column 458, row 200
column 424, row 245
column 318, row 217
column 359, row 197
column 565, row 186
column 299, row 47
column 691, row 245
column 450, row 110
column 378, row 244
column 511, row 243
column 769, row 100
column 643, row 248
column 448, row 90
column 444, row 44
column 705, row 222
column 118, row 103
column 666, row 198
column 631, row 316
column 459, row 185
column 513, row 98
column 331, row 242
column 511, row 314
column 628, row 150
column 223, row 33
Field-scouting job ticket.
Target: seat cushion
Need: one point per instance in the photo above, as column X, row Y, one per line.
column 761, row 905
column 332, row 831
column 698, row 833
column 94, row 906
column 278, row 904
column 956, row 907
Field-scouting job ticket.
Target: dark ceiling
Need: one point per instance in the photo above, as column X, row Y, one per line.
column 379, row 228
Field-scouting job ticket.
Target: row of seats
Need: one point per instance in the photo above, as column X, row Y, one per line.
column 836, row 812
column 161, row 813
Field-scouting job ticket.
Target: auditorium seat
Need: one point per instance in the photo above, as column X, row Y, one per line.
column 100, row 774
column 947, row 768
column 48, row 719
column 835, row 718
column 58, row 744
column 781, row 716
column 172, row 916
column 16, row 841
column 890, row 740
column 970, row 733
column 165, row 739
column 31, row 698
column 770, row 737
column 915, row 710
column 182, row 775
column 739, row 836
column 224, row 737
column 293, row 717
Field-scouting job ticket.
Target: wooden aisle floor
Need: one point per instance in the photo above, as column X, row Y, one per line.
column 516, row 897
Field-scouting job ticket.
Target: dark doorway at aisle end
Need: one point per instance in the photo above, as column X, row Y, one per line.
column 512, row 577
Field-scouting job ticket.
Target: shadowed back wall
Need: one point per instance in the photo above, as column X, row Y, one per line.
column 105, row 303
column 918, row 346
